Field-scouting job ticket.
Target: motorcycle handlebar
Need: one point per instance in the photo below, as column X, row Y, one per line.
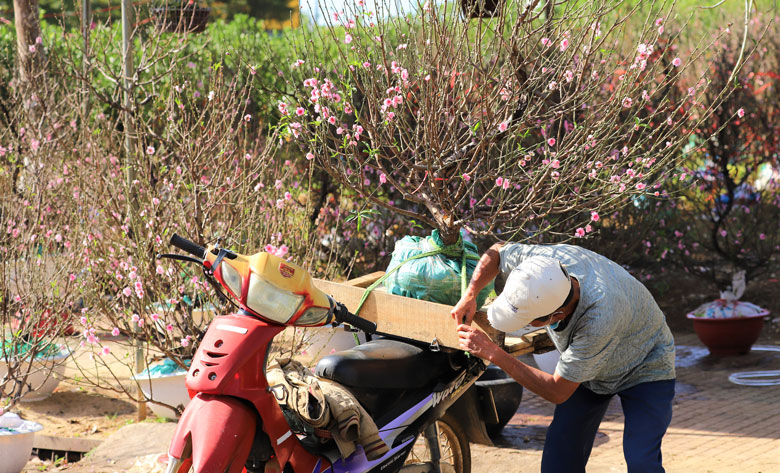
column 188, row 246
column 343, row 315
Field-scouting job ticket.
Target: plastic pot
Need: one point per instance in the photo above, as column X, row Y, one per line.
column 728, row 336
column 43, row 379
column 16, row 446
column 167, row 388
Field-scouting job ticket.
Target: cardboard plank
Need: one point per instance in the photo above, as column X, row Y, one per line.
column 64, row 444
column 406, row 317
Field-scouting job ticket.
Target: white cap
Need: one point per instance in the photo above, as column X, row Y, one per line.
column 537, row 287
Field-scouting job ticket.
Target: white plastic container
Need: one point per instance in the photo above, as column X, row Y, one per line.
column 42, row 378
column 547, row 361
column 164, row 387
column 16, row 446
column 327, row 340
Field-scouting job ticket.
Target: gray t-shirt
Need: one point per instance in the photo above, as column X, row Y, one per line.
column 617, row 336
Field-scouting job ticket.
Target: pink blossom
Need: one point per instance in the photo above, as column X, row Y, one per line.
column 594, row 216
column 555, row 164
column 300, row 111
column 115, row 331
column 588, row 228
column 150, row 149
column 762, row 237
column 579, row 233
column 564, row 44
column 546, row 41
column 282, row 251
column 390, row 116
column 72, row 277
column 627, row 102
column 106, row 350
column 723, row 233
column 661, row 30
column 127, row 292
column 169, row 328
column 247, row 117
column 332, row 120
column 503, row 126
column 155, row 317
column 551, row 142
column 31, row 48
column 659, row 22
column 741, row 112
column 466, row 177
column 83, row 320
column 287, row 196
column 677, row 62
column 184, row 342
column 382, row 178
column 309, row 156
column 499, row 181
column 347, row 38
column 640, row 186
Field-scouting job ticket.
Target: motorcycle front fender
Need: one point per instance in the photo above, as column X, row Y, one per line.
column 216, row 433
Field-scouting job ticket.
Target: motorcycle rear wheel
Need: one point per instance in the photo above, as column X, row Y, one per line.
column 453, row 445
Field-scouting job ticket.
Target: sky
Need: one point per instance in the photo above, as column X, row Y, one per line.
column 319, row 9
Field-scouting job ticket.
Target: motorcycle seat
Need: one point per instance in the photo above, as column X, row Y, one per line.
column 385, row 364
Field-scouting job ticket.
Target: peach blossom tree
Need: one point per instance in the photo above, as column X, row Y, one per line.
column 529, row 124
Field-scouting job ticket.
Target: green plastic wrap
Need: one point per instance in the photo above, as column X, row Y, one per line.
column 437, row 277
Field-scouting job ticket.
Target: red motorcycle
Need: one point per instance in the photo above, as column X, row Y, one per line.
column 234, row 423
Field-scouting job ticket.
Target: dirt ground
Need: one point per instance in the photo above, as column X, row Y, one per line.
column 74, row 411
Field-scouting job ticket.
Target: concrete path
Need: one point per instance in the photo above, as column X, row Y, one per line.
column 718, row 427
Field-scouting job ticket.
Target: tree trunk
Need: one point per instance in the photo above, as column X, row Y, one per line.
column 28, row 31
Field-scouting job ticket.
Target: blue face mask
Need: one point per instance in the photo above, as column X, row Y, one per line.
column 555, row 325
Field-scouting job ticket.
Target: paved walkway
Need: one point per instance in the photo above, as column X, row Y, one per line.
column 718, row 426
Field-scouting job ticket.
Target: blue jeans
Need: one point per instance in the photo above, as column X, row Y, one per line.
column 647, row 408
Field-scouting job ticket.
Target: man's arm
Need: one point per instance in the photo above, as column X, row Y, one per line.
column 553, row 388
column 487, row 269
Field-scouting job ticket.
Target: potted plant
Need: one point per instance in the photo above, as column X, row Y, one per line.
column 721, row 224
column 163, row 384
column 728, row 326
column 16, row 441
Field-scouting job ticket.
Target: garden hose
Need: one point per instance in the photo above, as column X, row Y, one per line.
column 763, row 378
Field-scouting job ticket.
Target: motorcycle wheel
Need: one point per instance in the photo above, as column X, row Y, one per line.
column 453, row 445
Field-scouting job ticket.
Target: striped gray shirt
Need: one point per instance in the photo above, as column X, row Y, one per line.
column 617, row 336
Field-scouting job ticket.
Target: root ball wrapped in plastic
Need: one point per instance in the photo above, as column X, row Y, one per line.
column 424, row 268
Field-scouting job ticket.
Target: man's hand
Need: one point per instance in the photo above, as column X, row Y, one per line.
column 476, row 342
column 464, row 310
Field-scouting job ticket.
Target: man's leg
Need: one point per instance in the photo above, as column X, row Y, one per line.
column 572, row 431
column 648, row 411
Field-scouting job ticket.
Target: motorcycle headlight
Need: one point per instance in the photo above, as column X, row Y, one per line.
column 232, row 278
column 271, row 302
column 313, row 316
